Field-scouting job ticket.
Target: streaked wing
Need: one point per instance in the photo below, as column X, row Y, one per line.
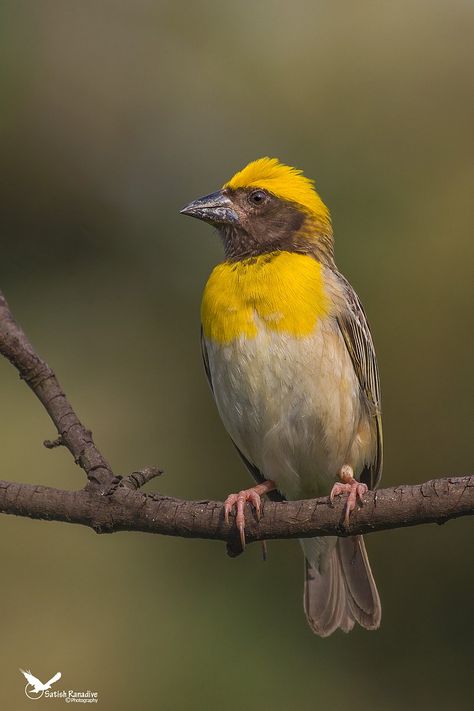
column 205, row 360
column 358, row 339
column 254, row 471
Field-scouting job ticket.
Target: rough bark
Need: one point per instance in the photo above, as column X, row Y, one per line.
column 126, row 509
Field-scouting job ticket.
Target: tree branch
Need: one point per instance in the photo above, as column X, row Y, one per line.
column 15, row 346
column 111, row 503
column 125, row 509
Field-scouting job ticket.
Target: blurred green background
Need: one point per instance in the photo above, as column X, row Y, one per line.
column 114, row 115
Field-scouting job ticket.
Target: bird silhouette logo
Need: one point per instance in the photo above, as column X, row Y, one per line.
column 35, row 688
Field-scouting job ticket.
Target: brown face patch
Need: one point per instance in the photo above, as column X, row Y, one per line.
column 266, row 224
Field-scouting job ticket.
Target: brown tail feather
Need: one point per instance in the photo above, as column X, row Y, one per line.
column 362, row 594
column 339, row 586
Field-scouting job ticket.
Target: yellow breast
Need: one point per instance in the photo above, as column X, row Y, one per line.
column 284, row 290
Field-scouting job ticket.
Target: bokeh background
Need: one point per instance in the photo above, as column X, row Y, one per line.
column 114, row 115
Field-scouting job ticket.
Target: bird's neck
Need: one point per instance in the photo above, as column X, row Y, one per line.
column 281, row 291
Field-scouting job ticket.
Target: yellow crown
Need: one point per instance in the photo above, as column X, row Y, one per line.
column 283, row 181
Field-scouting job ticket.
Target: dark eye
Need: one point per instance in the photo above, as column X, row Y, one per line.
column 257, row 197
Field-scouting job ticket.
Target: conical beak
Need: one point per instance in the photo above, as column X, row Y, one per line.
column 216, row 208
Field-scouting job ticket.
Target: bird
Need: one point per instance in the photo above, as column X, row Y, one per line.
column 38, row 685
column 291, row 364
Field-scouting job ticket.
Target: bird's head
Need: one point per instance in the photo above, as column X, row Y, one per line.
column 266, row 207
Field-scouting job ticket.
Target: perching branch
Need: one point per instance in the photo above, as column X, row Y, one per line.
column 126, row 509
column 111, row 503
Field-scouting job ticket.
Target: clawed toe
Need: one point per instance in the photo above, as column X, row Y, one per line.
column 239, row 500
column 229, row 504
column 336, row 490
column 355, row 491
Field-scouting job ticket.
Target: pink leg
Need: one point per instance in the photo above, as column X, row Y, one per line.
column 350, row 486
column 239, row 500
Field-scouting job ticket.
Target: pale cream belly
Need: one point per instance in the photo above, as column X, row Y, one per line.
column 293, row 407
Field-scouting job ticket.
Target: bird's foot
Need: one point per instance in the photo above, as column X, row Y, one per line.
column 239, row 500
column 355, row 490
